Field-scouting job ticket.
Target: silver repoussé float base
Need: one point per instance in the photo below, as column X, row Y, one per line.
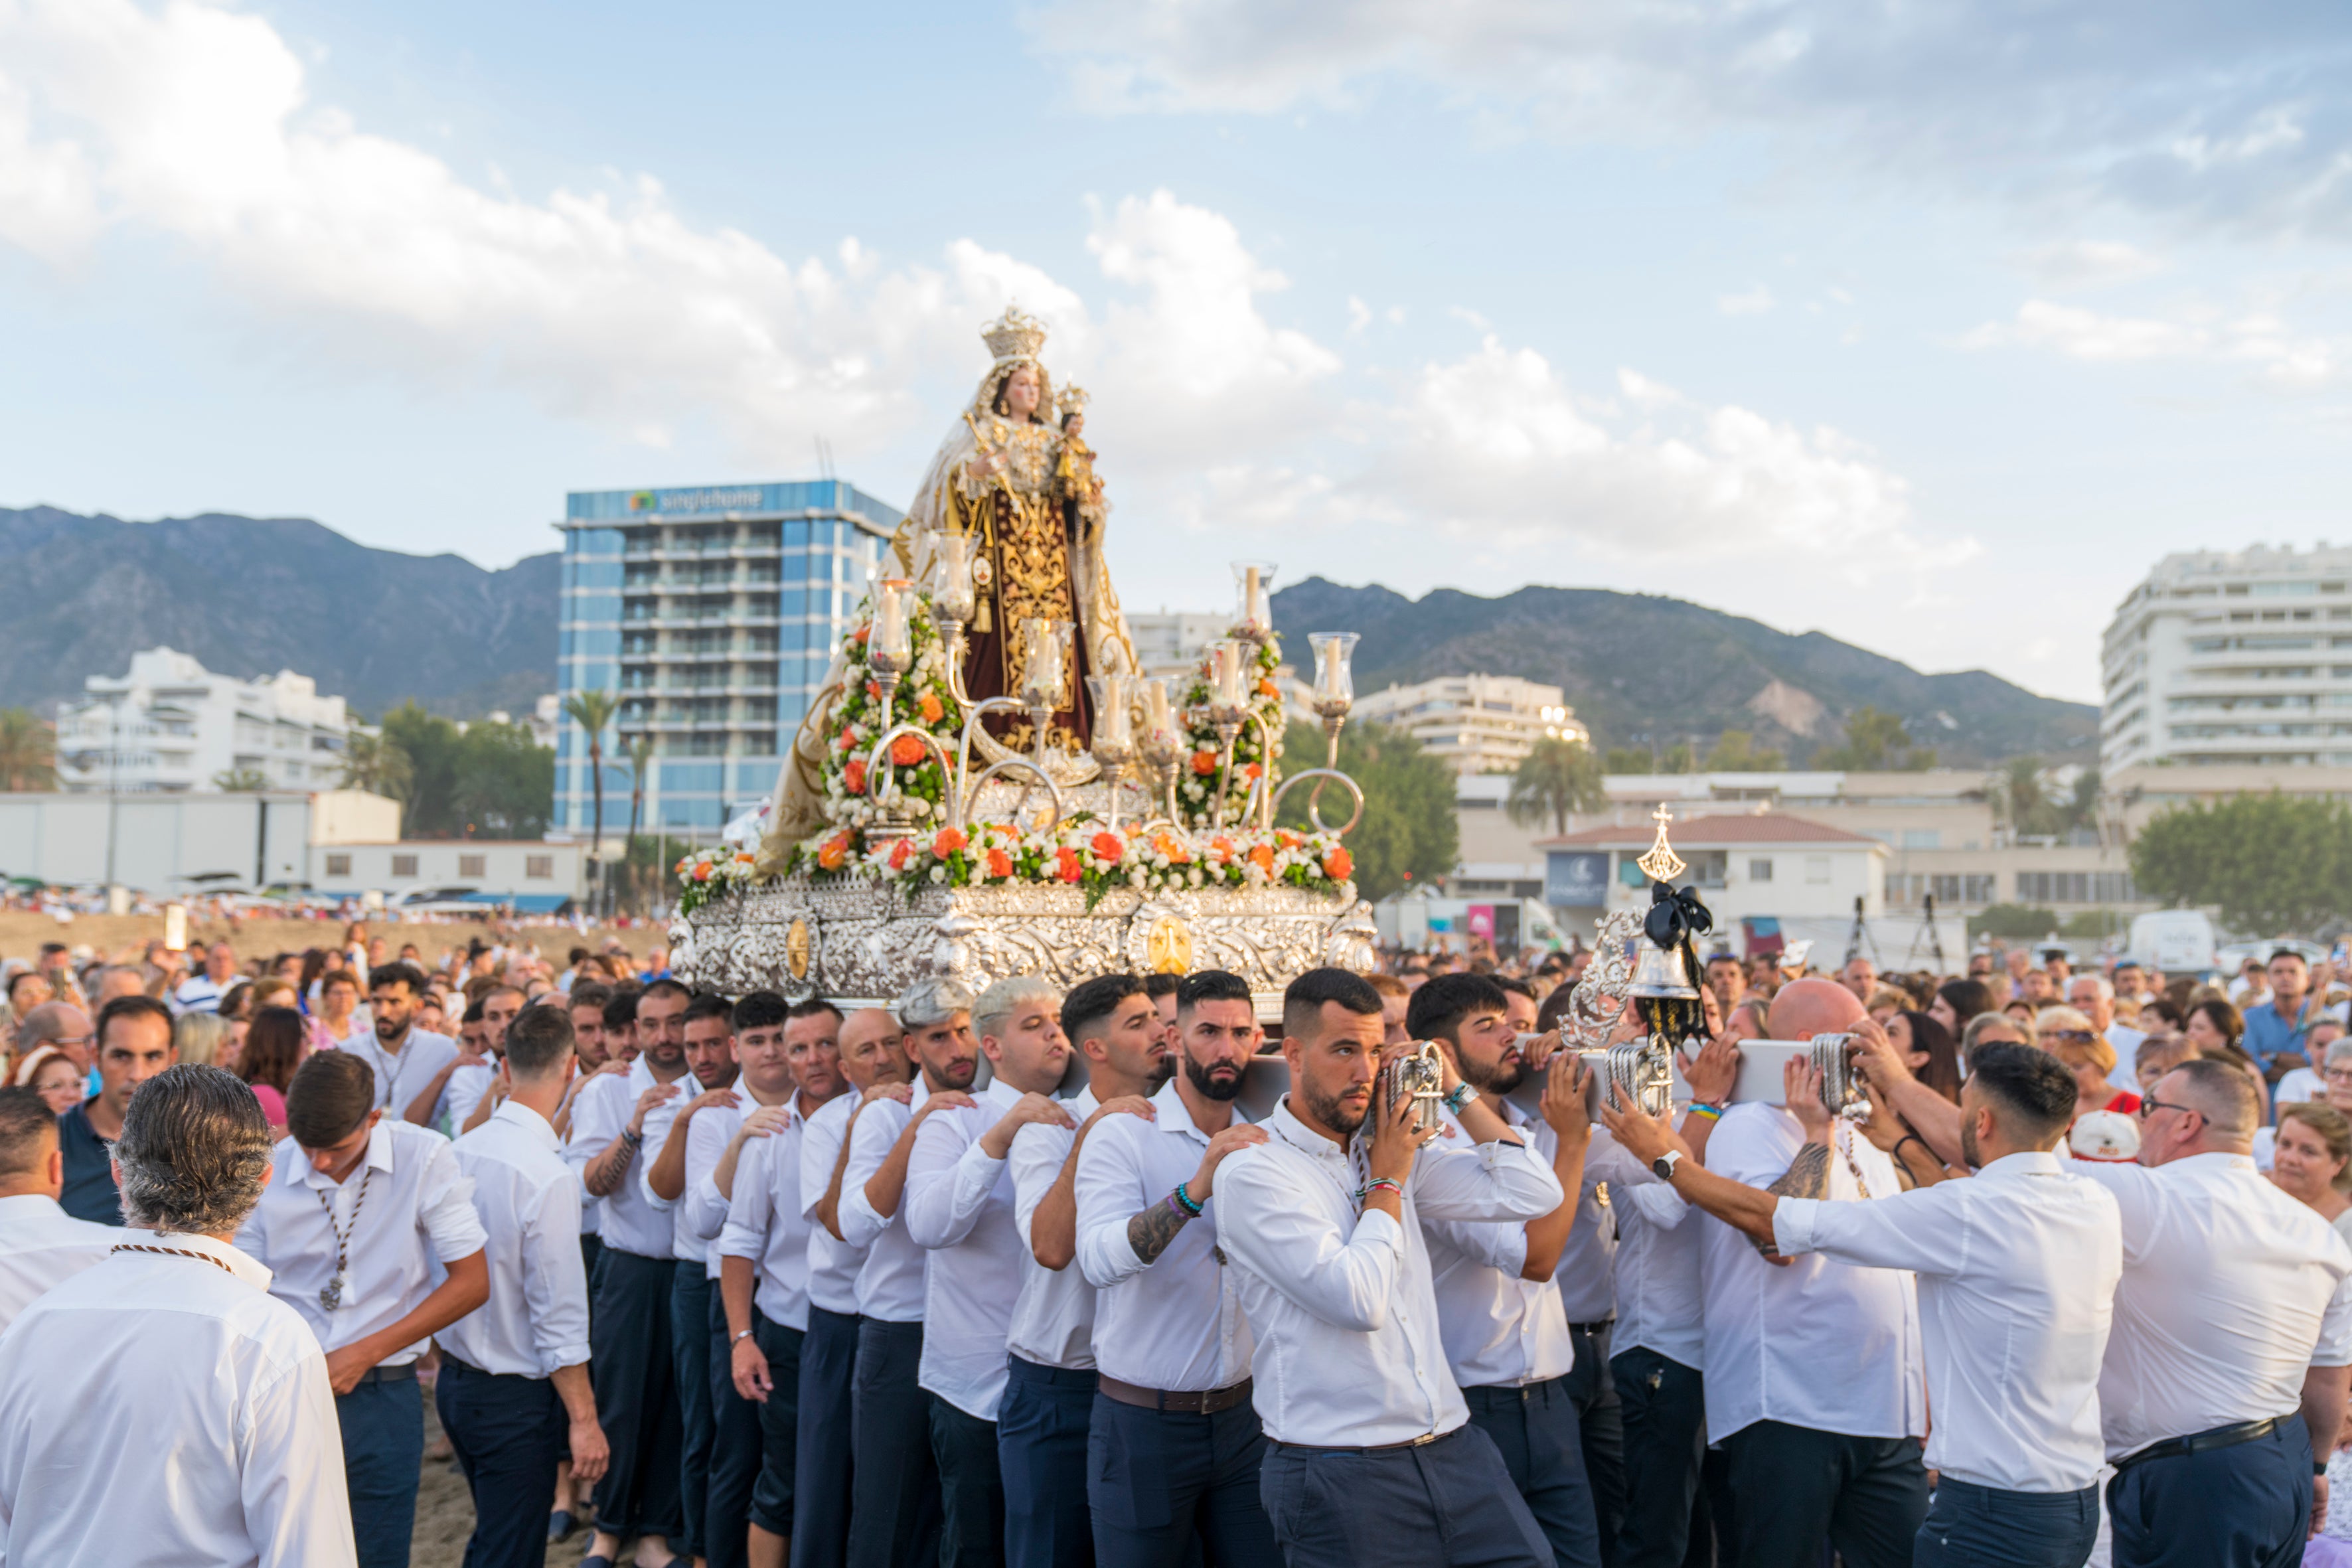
column 863, row 941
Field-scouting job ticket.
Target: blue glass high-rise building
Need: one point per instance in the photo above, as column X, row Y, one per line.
column 712, row 612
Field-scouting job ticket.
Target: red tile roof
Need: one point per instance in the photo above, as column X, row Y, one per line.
column 1711, row 832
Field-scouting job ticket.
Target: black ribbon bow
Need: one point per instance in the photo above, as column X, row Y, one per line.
column 1675, row 916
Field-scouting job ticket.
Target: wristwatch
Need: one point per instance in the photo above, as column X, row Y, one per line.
column 1664, row 1165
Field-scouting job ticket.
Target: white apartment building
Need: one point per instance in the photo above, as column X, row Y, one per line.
column 1171, row 642
column 170, row 726
column 2231, row 657
column 1479, row 723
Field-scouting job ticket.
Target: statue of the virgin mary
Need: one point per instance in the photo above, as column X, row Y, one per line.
column 1021, row 481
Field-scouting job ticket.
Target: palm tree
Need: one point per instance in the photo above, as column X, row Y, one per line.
column 592, row 711
column 379, row 764
column 2022, row 795
column 28, row 751
column 641, row 750
column 1557, row 778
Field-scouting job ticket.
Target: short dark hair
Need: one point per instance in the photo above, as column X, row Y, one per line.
column 576, row 955
column 809, row 1008
column 2279, row 953
column 329, row 1097
column 1211, row 986
column 1091, row 1002
column 1555, row 1007
column 2035, row 1088
column 1302, row 1003
column 397, row 974
column 666, row 987
column 711, row 1004
column 28, row 1131
column 339, row 977
column 621, row 1012
column 1438, row 1007
column 539, row 1038
column 588, row 994
column 1513, row 986
column 194, row 1152
column 765, row 1010
column 130, row 1007
column 1159, row 982
column 473, row 1013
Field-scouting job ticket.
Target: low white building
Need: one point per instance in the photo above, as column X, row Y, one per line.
column 1173, row 643
column 1478, row 724
column 165, row 844
column 531, row 874
column 172, row 727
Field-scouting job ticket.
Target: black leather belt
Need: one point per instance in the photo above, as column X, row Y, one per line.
column 1203, row 1402
column 2203, row 1442
column 1594, row 1330
column 405, row 1373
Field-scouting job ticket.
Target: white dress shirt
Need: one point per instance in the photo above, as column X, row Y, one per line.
column 598, row 1114
column 401, row 1076
column 1814, row 1344
column 891, row 1283
column 162, row 1411
column 41, row 1245
column 1661, row 1306
column 536, row 1321
column 1053, row 1318
column 407, row 1210
column 1587, row 1274
column 1349, row 1352
column 1499, row 1330
column 464, row 1091
column 688, row 1211
column 767, row 1223
column 1175, row 1323
column 2017, row 1270
column 960, row 1209
column 833, row 1264
column 2231, row 1288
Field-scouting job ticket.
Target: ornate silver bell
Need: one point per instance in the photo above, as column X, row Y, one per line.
column 1659, row 973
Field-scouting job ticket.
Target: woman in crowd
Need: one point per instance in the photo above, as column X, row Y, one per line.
column 1960, row 1002
column 2312, row 1162
column 2214, row 1027
column 198, row 1038
column 50, row 1073
column 275, row 1046
column 2067, row 1035
column 1928, row 1046
column 2158, row 1055
column 334, row 1014
column 2020, row 1012
column 1886, row 1003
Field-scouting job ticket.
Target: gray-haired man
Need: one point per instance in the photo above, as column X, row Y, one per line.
column 174, row 1336
column 894, row 1519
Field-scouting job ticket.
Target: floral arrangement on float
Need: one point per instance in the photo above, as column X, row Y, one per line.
column 896, row 785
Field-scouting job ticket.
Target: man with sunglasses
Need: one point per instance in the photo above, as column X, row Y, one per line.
column 2225, row 1375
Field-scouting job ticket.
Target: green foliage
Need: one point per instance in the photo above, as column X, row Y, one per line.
column 2094, row 925
column 1876, row 742
column 241, row 781
column 377, row 763
column 492, row 781
column 1409, row 835
column 1554, row 779
column 2270, row 862
column 1736, row 752
column 1675, row 759
column 2014, row 922
column 28, row 751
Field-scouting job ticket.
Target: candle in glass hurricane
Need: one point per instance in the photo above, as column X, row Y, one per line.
column 1161, row 745
column 1254, row 581
column 891, row 646
column 1334, row 684
column 1041, row 664
column 1226, row 699
column 953, row 595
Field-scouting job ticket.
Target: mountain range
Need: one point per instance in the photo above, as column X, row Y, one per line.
column 249, row 596
column 1643, row 671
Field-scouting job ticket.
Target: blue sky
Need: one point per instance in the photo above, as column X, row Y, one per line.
column 1930, row 327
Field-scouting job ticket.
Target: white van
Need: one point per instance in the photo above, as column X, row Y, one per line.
column 2177, row 942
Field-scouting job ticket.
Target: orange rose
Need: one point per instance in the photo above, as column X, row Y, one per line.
column 907, row 751
column 1262, row 856
column 859, row 636
column 931, row 708
column 1223, row 848
column 853, row 776
column 1168, row 844
column 1205, row 762
column 1338, row 864
column 833, row 851
column 900, row 853
column 849, row 737
column 1108, row 846
column 947, row 841
column 1000, row 863
column 1287, row 839
column 1068, row 867
column 1266, row 689
column 702, row 872
column 1251, row 771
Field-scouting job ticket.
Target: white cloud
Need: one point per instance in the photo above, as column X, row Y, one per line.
column 2279, row 357
column 1756, row 302
column 2232, row 116
column 2089, row 263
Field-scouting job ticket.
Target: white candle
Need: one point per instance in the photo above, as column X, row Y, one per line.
column 892, row 644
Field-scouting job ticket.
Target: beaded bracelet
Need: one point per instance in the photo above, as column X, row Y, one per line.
column 1369, row 1188
column 1185, row 1198
column 1463, row 1094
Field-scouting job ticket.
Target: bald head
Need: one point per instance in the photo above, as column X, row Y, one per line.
column 56, row 1023
column 1803, row 1008
column 870, row 1051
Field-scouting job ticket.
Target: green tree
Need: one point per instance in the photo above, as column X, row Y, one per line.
column 1675, row 759
column 1557, row 778
column 641, row 753
column 241, row 781
column 376, row 763
column 2013, row 922
column 1876, row 742
column 2081, row 809
column 1408, row 835
column 28, row 751
column 1736, row 752
column 429, row 741
column 505, row 781
column 2269, row 862
column 592, row 711
column 2024, row 796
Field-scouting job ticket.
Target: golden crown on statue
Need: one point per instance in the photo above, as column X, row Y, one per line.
column 1016, row 334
